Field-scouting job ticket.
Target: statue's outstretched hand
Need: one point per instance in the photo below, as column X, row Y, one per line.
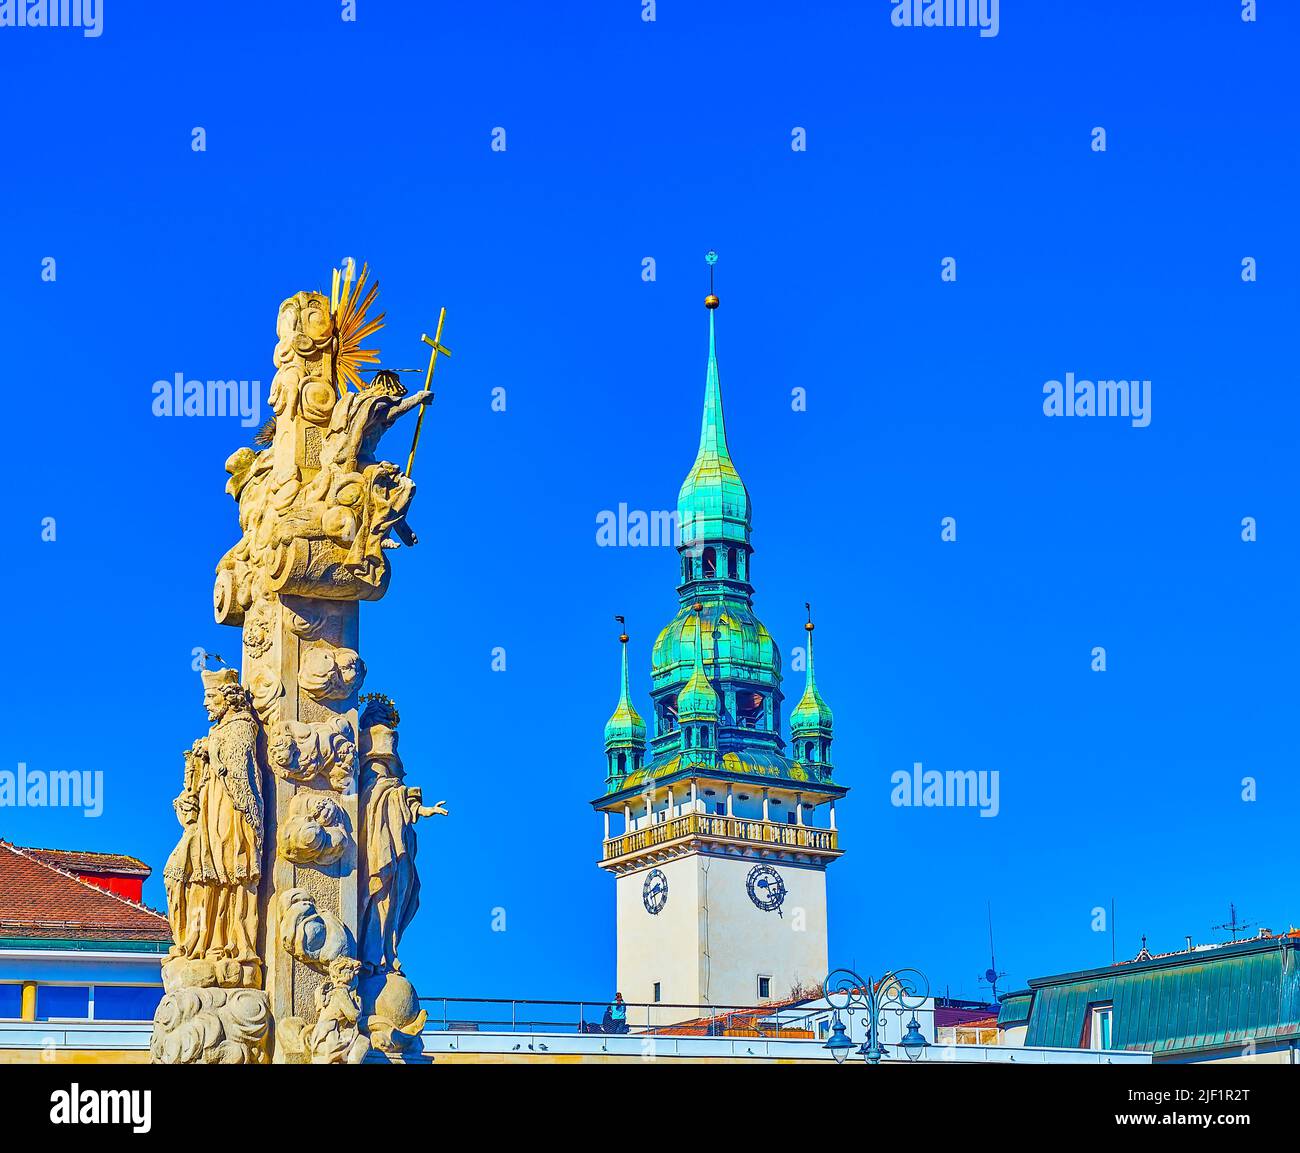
column 438, row 810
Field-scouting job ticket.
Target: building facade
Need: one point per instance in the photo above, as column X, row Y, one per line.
column 717, row 833
column 80, row 955
column 1217, row 1003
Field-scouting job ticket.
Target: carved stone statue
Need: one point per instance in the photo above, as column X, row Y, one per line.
column 336, row 1037
column 288, row 892
column 390, row 810
column 212, row 876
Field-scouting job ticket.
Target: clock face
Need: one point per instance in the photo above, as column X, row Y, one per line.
column 654, row 893
column 765, row 888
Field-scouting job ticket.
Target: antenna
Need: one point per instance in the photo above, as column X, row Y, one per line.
column 1232, row 925
column 991, row 976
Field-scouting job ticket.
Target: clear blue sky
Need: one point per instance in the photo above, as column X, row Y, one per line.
column 626, row 140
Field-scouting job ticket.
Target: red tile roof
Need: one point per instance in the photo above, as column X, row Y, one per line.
column 79, row 861
column 41, row 901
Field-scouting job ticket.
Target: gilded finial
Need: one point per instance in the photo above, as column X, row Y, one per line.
column 711, row 258
column 809, row 626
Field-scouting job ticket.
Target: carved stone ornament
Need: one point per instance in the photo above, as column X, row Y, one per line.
column 304, row 750
column 328, row 674
column 313, row 935
column 211, row 1026
column 315, row 832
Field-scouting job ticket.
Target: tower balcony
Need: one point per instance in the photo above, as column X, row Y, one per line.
column 740, row 833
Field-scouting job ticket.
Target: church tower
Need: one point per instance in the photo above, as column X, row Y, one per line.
column 717, row 836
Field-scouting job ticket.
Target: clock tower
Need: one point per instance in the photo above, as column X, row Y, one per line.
column 718, row 835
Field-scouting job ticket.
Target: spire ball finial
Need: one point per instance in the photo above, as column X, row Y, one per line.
column 711, row 258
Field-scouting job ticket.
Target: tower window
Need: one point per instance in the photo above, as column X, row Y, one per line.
column 622, row 764
column 658, row 992
column 666, row 715
column 731, row 562
column 710, row 559
column 749, row 709
column 808, row 751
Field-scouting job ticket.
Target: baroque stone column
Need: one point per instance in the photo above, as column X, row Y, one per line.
column 319, row 513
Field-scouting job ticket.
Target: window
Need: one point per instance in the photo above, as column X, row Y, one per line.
column 126, row 1002
column 658, row 992
column 749, row 709
column 720, row 808
column 1099, row 1033
column 731, row 562
column 11, row 1002
column 622, row 764
column 764, row 988
column 710, row 559
column 62, row 1001
column 791, row 818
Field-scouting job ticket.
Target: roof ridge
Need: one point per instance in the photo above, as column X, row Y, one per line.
column 84, row 853
column 139, row 906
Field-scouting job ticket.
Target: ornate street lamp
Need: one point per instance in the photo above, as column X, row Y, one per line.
column 899, row 991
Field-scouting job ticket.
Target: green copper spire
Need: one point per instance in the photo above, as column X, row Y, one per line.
column 625, row 727
column 698, row 701
column 713, row 505
column 811, row 722
column 624, row 732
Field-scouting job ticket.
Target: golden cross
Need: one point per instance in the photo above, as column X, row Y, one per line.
column 435, row 343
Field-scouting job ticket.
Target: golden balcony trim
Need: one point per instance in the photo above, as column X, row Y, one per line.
column 739, row 829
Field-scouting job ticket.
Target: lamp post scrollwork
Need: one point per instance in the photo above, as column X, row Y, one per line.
column 901, row 991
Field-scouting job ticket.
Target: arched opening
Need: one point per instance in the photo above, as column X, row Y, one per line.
column 731, row 563
column 808, row 751
column 710, row 559
column 622, row 764
column 749, row 710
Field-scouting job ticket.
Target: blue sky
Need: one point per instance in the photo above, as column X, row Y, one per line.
column 628, row 139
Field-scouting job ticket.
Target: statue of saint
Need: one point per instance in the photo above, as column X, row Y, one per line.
column 390, row 810
column 212, row 875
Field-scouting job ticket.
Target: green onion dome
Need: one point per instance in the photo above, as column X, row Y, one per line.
column 697, row 701
column 625, row 728
column 812, row 715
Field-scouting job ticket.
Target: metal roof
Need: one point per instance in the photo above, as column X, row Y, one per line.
column 1182, row 1002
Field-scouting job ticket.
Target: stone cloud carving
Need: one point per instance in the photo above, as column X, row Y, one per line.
column 315, row 831
column 314, row 936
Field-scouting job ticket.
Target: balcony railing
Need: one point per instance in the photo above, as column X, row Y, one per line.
column 753, row 832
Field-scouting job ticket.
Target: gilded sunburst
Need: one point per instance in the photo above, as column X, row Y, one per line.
column 351, row 326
